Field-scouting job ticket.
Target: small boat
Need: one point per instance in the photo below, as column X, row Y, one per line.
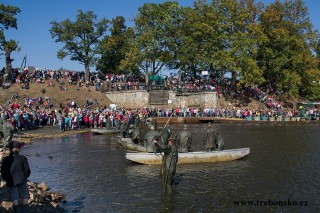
column 104, row 131
column 127, row 144
column 190, row 157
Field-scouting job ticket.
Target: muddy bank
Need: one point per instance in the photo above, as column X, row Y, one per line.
column 44, row 132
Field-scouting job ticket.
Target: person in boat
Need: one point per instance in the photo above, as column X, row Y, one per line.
column 185, row 140
column 149, row 137
column 137, row 120
column 135, row 134
column 164, row 135
column 154, row 122
column 124, row 129
column 209, row 140
column 169, row 163
column 219, row 142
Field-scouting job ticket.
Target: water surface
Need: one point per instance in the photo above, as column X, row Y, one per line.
column 92, row 172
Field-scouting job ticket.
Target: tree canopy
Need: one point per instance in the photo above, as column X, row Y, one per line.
column 81, row 38
column 114, row 47
column 8, row 20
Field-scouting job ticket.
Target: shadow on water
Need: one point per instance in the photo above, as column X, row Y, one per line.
column 92, row 172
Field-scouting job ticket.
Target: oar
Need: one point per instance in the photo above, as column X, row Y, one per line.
column 166, row 124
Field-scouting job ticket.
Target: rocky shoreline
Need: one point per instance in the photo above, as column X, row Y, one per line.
column 41, row 199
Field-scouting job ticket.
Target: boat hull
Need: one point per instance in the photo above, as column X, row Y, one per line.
column 127, row 144
column 105, row 131
column 191, row 157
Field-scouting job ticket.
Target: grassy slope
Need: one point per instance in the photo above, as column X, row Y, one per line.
column 55, row 94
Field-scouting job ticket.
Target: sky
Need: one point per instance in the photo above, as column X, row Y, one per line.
column 34, row 24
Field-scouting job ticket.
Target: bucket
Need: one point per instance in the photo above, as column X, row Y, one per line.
column 248, row 118
column 256, row 118
column 279, row 118
column 272, row 119
column 286, row 119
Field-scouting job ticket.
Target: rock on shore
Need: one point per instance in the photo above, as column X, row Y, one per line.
column 41, row 199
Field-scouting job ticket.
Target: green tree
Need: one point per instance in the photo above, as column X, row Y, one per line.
column 222, row 36
column 287, row 57
column 81, row 38
column 311, row 83
column 8, row 20
column 114, row 47
column 192, row 40
column 153, row 46
column 317, row 50
column 239, row 21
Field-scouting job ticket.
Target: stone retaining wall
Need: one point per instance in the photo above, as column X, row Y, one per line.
column 140, row 98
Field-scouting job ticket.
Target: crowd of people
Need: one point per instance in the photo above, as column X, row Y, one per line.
column 38, row 112
column 119, row 82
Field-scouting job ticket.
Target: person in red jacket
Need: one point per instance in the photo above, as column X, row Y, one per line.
column 15, row 171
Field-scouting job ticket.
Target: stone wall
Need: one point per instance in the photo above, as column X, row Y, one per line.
column 140, row 98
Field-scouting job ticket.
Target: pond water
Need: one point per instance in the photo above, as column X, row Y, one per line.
column 281, row 172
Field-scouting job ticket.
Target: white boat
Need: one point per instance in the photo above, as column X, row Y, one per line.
column 190, row 157
column 104, row 131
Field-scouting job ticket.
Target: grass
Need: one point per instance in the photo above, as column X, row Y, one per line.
column 57, row 96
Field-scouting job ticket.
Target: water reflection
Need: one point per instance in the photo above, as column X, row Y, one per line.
column 94, row 174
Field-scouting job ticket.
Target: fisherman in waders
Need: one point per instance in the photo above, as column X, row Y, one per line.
column 209, row 140
column 185, row 140
column 149, row 137
column 169, row 163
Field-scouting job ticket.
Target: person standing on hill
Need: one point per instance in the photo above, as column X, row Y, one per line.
column 15, row 171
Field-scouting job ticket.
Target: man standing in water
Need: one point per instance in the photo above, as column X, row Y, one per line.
column 170, row 159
